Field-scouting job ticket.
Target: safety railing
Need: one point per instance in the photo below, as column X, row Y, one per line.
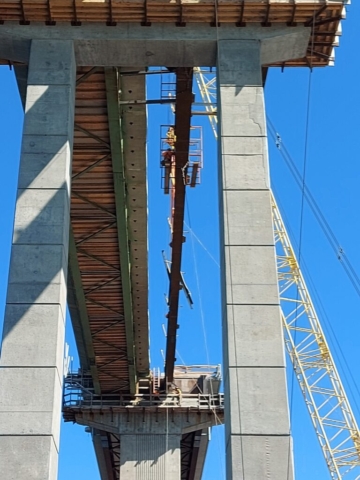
column 192, row 170
column 77, row 396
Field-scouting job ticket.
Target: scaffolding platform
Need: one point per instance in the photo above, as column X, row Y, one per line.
column 191, row 173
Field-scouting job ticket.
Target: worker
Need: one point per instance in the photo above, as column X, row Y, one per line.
column 167, row 155
column 178, row 392
column 171, row 138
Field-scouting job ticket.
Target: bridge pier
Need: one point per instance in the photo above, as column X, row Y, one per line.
column 150, row 439
column 31, row 373
column 258, row 443
column 151, row 456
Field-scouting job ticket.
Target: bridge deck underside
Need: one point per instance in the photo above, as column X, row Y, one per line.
column 323, row 16
column 97, row 295
column 94, row 226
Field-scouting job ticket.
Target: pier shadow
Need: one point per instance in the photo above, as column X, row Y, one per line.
column 38, row 263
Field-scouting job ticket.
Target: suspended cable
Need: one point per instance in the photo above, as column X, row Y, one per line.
column 202, row 317
column 307, row 123
column 316, row 371
column 335, row 345
column 202, row 245
column 319, row 216
column 178, row 355
column 334, row 341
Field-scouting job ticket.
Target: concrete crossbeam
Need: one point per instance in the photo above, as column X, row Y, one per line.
column 157, row 423
column 256, row 410
column 159, row 44
column 31, row 372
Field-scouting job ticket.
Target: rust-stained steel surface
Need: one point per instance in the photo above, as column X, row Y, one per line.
column 93, row 219
column 95, row 230
column 134, row 125
column 184, row 98
column 324, row 16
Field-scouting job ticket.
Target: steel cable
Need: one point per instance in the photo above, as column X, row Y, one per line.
column 303, row 187
column 318, row 214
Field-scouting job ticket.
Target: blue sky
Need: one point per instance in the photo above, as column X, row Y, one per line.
column 333, row 176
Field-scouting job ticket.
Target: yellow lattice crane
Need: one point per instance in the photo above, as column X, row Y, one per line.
column 329, row 408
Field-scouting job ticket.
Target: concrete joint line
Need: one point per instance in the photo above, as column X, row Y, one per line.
column 252, row 245
column 247, row 189
column 253, row 304
column 280, row 435
column 238, row 367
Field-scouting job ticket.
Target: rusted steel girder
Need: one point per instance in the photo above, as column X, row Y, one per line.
column 184, row 99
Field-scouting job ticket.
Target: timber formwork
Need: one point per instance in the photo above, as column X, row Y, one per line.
column 321, row 15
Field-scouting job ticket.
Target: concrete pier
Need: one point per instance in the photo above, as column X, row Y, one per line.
column 31, row 370
column 150, row 457
column 150, row 441
column 256, row 409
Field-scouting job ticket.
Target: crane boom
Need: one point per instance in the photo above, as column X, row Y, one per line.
column 320, row 383
column 314, row 367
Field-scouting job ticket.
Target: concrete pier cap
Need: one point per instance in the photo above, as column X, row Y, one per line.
column 160, row 44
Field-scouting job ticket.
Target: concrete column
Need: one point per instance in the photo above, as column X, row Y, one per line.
column 150, row 444
column 150, row 457
column 256, row 415
column 33, row 337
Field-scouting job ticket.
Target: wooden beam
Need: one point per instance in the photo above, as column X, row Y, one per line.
column 316, row 15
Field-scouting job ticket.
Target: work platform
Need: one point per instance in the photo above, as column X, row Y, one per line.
column 79, row 398
column 192, row 409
